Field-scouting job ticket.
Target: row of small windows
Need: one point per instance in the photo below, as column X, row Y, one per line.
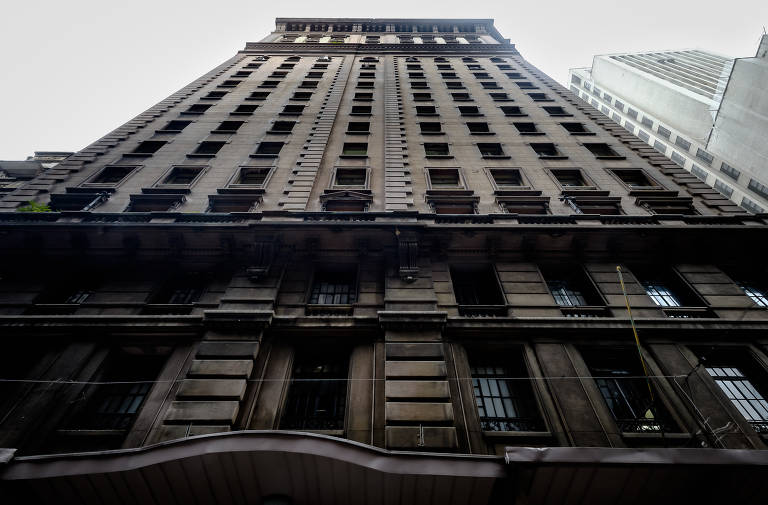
column 416, row 38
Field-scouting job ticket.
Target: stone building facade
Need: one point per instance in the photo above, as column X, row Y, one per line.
column 376, row 260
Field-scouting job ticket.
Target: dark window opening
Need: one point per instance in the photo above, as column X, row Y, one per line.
column 526, row 85
column 309, row 84
column 245, row 109
column 422, row 97
column 526, row 127
column 540, row 97
column 229, row 83
column 504, row 398
column 334, row 287
column 149, row 147
column 436, row 149
column 556, row 111
column 511, row 110
column 361, row 110
column 478, row 128
column 363, row 97
column 570, row 178
column 252, row 176
column 545, row 150
column 112, row 175
column 175, row 126
column 350, row 177
column 667, row 289
column 182, row 175
column 476, row 286
column 229, row 126
column 292, row 110
column 318, row 391
column 572, row 287
column 491, row 150
column 214, row 95
column 198, row 108
column 622, row 383
column 354, row 149
column 184, row 290
column 441, row 178
column 635, row 178
column 258, row 95
column 282, row 126
column 434, row 127
column 269, row 84
column 209, row 147
column 469, row 110
column 426, row 110
column 602, row 151
column 575, row 127
column 506, row 178
column 461, row 97
column 358, row 127
column 271, row 149
column 500, row 97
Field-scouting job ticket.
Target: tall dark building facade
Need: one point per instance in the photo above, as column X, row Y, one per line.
column 379, row 261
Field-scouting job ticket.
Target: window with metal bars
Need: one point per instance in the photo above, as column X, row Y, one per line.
column 504, row 393
column 334, row 287
column 622, row 383
column 115, row 406
column 317, row 393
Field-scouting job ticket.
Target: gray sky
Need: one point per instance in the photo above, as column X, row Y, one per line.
column 74, row 70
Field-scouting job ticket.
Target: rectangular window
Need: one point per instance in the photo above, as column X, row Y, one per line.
column 619, row 105
column 365, row 84
column 251, row 177
column 751, row 206
column 503, row 395
column 317, row 393
column 602, row 151
column 491, row 150
column 355, row 149
column 660, row 146
column 569, row 178
column 175, row 126
column 350, row 177
column 723, row 188
column 681, row 142
column 268, row 149
column 506, row 178
column 540, row 97
column 515, row 75
column 363, row 97
column 148, row 147
column 110, row 176
column 699, row 172
column 479, row 128
column 358, row 127
column 509, row 110
column 182, row 290
column 180, row 175
column 547, row 150
column 647, row 122
column 575, row 128
column 449, row 75
column 244, row 110
column 432, row 149
column 643, row 136
column 214, row 95
column 229, row 83
column 663, row 132
column 632, row 113
column 500, row 97
column 310, row 84
column 571, row 287
column 258, row 95
column 334, row 287
column 282, row 127
column 760, row 189
column 461, row 97
column 454, row 85
column 476, row 285
column 469, row 110
column 620, row 378
column 422, row 97
column 666, row 288
column 635, row 178
column 444, row 178
column 431, row 128
column 228, row 127
column 208, row 148
column 556, row 111
column 361, row 110
column 292, row 110
column 490, row 85
column 301, row 96
column 269, row 84
column 678, row 158
column 729, row 171
column 319, row 75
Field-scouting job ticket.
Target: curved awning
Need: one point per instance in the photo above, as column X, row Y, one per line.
column 243, row 467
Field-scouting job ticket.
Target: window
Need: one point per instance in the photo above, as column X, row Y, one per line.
column 69, row 292
column 230, row 83
column 635, row 179
column 490, row 85
column 214, row 95
column 292, row 110
column 678, row 158
column 364, row 84
column 476, row 285
column 346, row 177
column 700, row 173
column 251, row 177
column 526, row 85
column 571, row 287
column 228, row 126
column 258, row 95
column 180, row 175
column 334, row 286
column 631, row 112
column 547, row 150
column 753, row 284
column 110, row 176
column 620, row 378
column 540, row 97
column 268, row 149
column 319, row 75
column 363, row 97
column 667, row 289
column 469, row 110
column 570, row 178
column 659, row 146
column 663, row 132
column 301, row 96
column 444, row 66
column 505, row 402
column 358, row 127
column 575, row 128
column 269, row 84
column 606, row 206
column 479, row 129
column 525, row 206
column 207, row 148
column 760, row 189
column 510, row 110
column 506, row 178
column 431, row 128
column 723, row 188
column 491, row 150
column 426, row 110
column 454, row 85
column 361, row 110
column 730, row 171
column 602, row 151
column 444, row 178
column 148, row 147
column 419, row 85
column 317, row 393
column 449, row 75
column 461, row 97
column 282, row 127
column 751, row 206
column 500, row 97
column 681, row 142
column 672, row 205
column 126, row 379
column 311, row 84
column 556, row 111
column 422, row 97
column 481, row 75
column 432, row 149
column 737, row 375
column 646, row 121
column 527, row 129
column 154, row 203
column 355, row 149
column 243, row 110
column 643, row 136
column 515, row 75
column 175, row 126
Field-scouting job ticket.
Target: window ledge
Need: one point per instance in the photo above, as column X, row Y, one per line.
column 541, row 157
column 354, row 156
column 279, row 132
column 583, row 134
column 439, row 156
column 472, row 114
column 313, row 309
column 200, row 155
column 433, row 133
column 611, row 157
column 532, row 134
column 496, row 157
column 91, row 433
column 561, row 115
column 165, row 189
column 482, row 133
column 655, row 434
column 483, row 310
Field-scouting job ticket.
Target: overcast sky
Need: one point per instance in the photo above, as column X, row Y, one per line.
column 74, row 70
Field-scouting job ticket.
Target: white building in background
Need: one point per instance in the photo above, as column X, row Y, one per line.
column 706, row 112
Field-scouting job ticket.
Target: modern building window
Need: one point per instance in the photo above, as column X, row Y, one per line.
column 699, row 172
column 760, row 189
column 433, row 149
column 480, row 75
column 547, row 150
column 751, row 206
column 659, row 146
column 278, row 75
column 643, row 136
column 681, row 142
column 730, row 171
column 334, row 286
column 632, row 113
column 619, row 105
column 677, row 158
column 317, row 393
column 622, row 383
column 646, row 121
column 362, row 84
column 476, row 285
column 743, row 383
column 504, row 398
column 268, row 149
column 491, row 150
column 355, row 149
column 704, row 156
